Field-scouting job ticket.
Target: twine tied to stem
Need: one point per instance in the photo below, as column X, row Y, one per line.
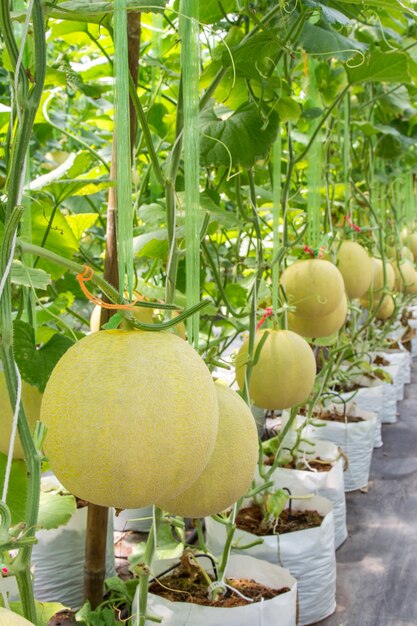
column 87, row 275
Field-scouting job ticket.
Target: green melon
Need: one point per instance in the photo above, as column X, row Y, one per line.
column 231, row 468
column 314, row 287
column 132, row 417
column 284, row 373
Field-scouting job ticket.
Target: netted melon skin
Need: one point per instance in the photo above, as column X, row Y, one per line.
column 356, row 267
column 230, row 471
column 131, row 416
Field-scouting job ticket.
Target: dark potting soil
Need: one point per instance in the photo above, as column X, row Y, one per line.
column 379, row 360
column 314, row 465
column 179, row 587
column 337, row 417
column 63, row 618
column 251, row 519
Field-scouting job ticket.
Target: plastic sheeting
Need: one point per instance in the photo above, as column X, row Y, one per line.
column 58, row 561
column 308, row 554
column 369, row 399
column 328, row 484
column 279, row 611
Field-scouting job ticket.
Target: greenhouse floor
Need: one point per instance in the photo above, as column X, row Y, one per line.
column 376, row 566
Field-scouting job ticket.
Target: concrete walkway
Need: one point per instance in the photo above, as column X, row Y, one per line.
column 377, row 565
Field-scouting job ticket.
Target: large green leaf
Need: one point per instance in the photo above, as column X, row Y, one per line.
column 36, row 364
column 212, row 11
column 254, row 57
column 386, row 67
column 44, row 610
column 55, row 510
column 29, row 276
column 238, row 139
column 322, row 39
column 17, row 492
column 51, row 230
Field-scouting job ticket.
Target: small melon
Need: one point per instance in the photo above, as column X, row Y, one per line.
column 313, row 286
column 231, row 468
column 407, row 254
column 31, row 398
column 284, row 373
column 8, row 618
column 412, row 244
column 355, row 265
column 378, row 277
column 322, row 326
column 132, row 417
column 385, row 310
column 405, row 278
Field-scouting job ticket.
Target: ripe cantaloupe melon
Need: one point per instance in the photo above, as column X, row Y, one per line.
column 8, row 618
column 355, row 265
column 31, row 398
column 407, row 254
column 385, row 310
column 322, row 326
column 230, row 471
column 378, row 277
column 132, row 417
column 314, row 286
column 405, row 278
column 284, row 373
column 412, row 244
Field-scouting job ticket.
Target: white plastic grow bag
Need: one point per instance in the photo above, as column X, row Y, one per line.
column 400, row 358
column 328, row 484
column 356, row 439
column 308, row 554
column 389, row 400
column 138, row 520
column 369, row 399
column 58, row 561
column 279, row 611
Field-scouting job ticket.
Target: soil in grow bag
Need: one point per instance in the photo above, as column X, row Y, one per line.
column 379, row 360
column 252, row 520
column 185, row 586
column 63, row 618
column 313, row 465
column 339, row 417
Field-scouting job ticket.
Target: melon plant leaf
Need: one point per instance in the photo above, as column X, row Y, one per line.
column 254, row 57
column 321, row 39
column 384, row 67
column 331, row 15
column 29, row 276
column 17, row 492
column 213, row 11
column 55, row 510
column 36, row 364
column 275, row 502
column 240, row 139
column 44, row 610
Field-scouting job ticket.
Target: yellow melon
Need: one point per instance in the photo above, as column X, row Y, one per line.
column 412, row 244
column 355, row 265
column 230, row 471
column 132, row 417
column 405, row 278
column 284, row 373
column 8, row 618
column 313, row 286
column 378, row 277
column 31, row 398
column 385, row 310
column 407, row 254
column 322, row 326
